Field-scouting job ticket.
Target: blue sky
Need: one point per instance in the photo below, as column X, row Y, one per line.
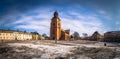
column 83, row 16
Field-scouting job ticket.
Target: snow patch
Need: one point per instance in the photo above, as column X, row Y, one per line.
column 49, row 50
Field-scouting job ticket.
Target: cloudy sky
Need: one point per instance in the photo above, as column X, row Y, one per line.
column 83, row 16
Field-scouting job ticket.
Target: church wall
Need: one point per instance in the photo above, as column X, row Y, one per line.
column 56, row 30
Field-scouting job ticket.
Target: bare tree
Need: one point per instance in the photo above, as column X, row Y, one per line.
column 44, row 35
column 76, row 35
column 85, row 34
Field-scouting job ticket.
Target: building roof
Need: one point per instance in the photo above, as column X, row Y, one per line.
column 56, row 15
column 12, row 31
column 113, row 32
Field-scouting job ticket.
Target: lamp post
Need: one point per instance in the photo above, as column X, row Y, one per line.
column 55, row 40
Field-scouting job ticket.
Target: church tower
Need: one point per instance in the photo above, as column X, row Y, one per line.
column 55, row 27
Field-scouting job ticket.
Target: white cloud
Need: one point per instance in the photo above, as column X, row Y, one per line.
column 105, row 15
column 117, row 22
column 81, row 27
column 81, row 23
column 84, row 23
column 41, row 25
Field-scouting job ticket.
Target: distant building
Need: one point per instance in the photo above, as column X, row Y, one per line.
column 96, row 36
column 113, row 36
column 15, row 35
column 35, row 36
column 56, row 32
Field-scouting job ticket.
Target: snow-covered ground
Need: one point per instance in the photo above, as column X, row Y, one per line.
column 50, row 50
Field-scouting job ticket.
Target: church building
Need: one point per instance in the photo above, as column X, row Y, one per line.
column 56, row 32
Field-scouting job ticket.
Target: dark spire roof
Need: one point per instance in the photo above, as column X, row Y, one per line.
column 55, row 14
column 96, row 33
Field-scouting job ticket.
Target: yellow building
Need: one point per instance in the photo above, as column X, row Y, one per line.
column 35, row 36
column 96, row 36
column 16, row 35
column 56, row 32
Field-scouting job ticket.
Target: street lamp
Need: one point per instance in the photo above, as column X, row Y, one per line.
column 55, row 40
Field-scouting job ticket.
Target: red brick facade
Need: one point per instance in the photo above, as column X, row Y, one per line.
column 56, row 32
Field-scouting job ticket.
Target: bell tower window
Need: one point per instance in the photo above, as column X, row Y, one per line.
column 53, row 23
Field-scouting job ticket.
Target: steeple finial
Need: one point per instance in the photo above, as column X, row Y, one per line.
column 56, row 14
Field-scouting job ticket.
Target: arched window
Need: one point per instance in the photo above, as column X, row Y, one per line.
column 53, row 23
column 58, row 24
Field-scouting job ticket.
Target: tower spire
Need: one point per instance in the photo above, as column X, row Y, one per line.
column 56, row 14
